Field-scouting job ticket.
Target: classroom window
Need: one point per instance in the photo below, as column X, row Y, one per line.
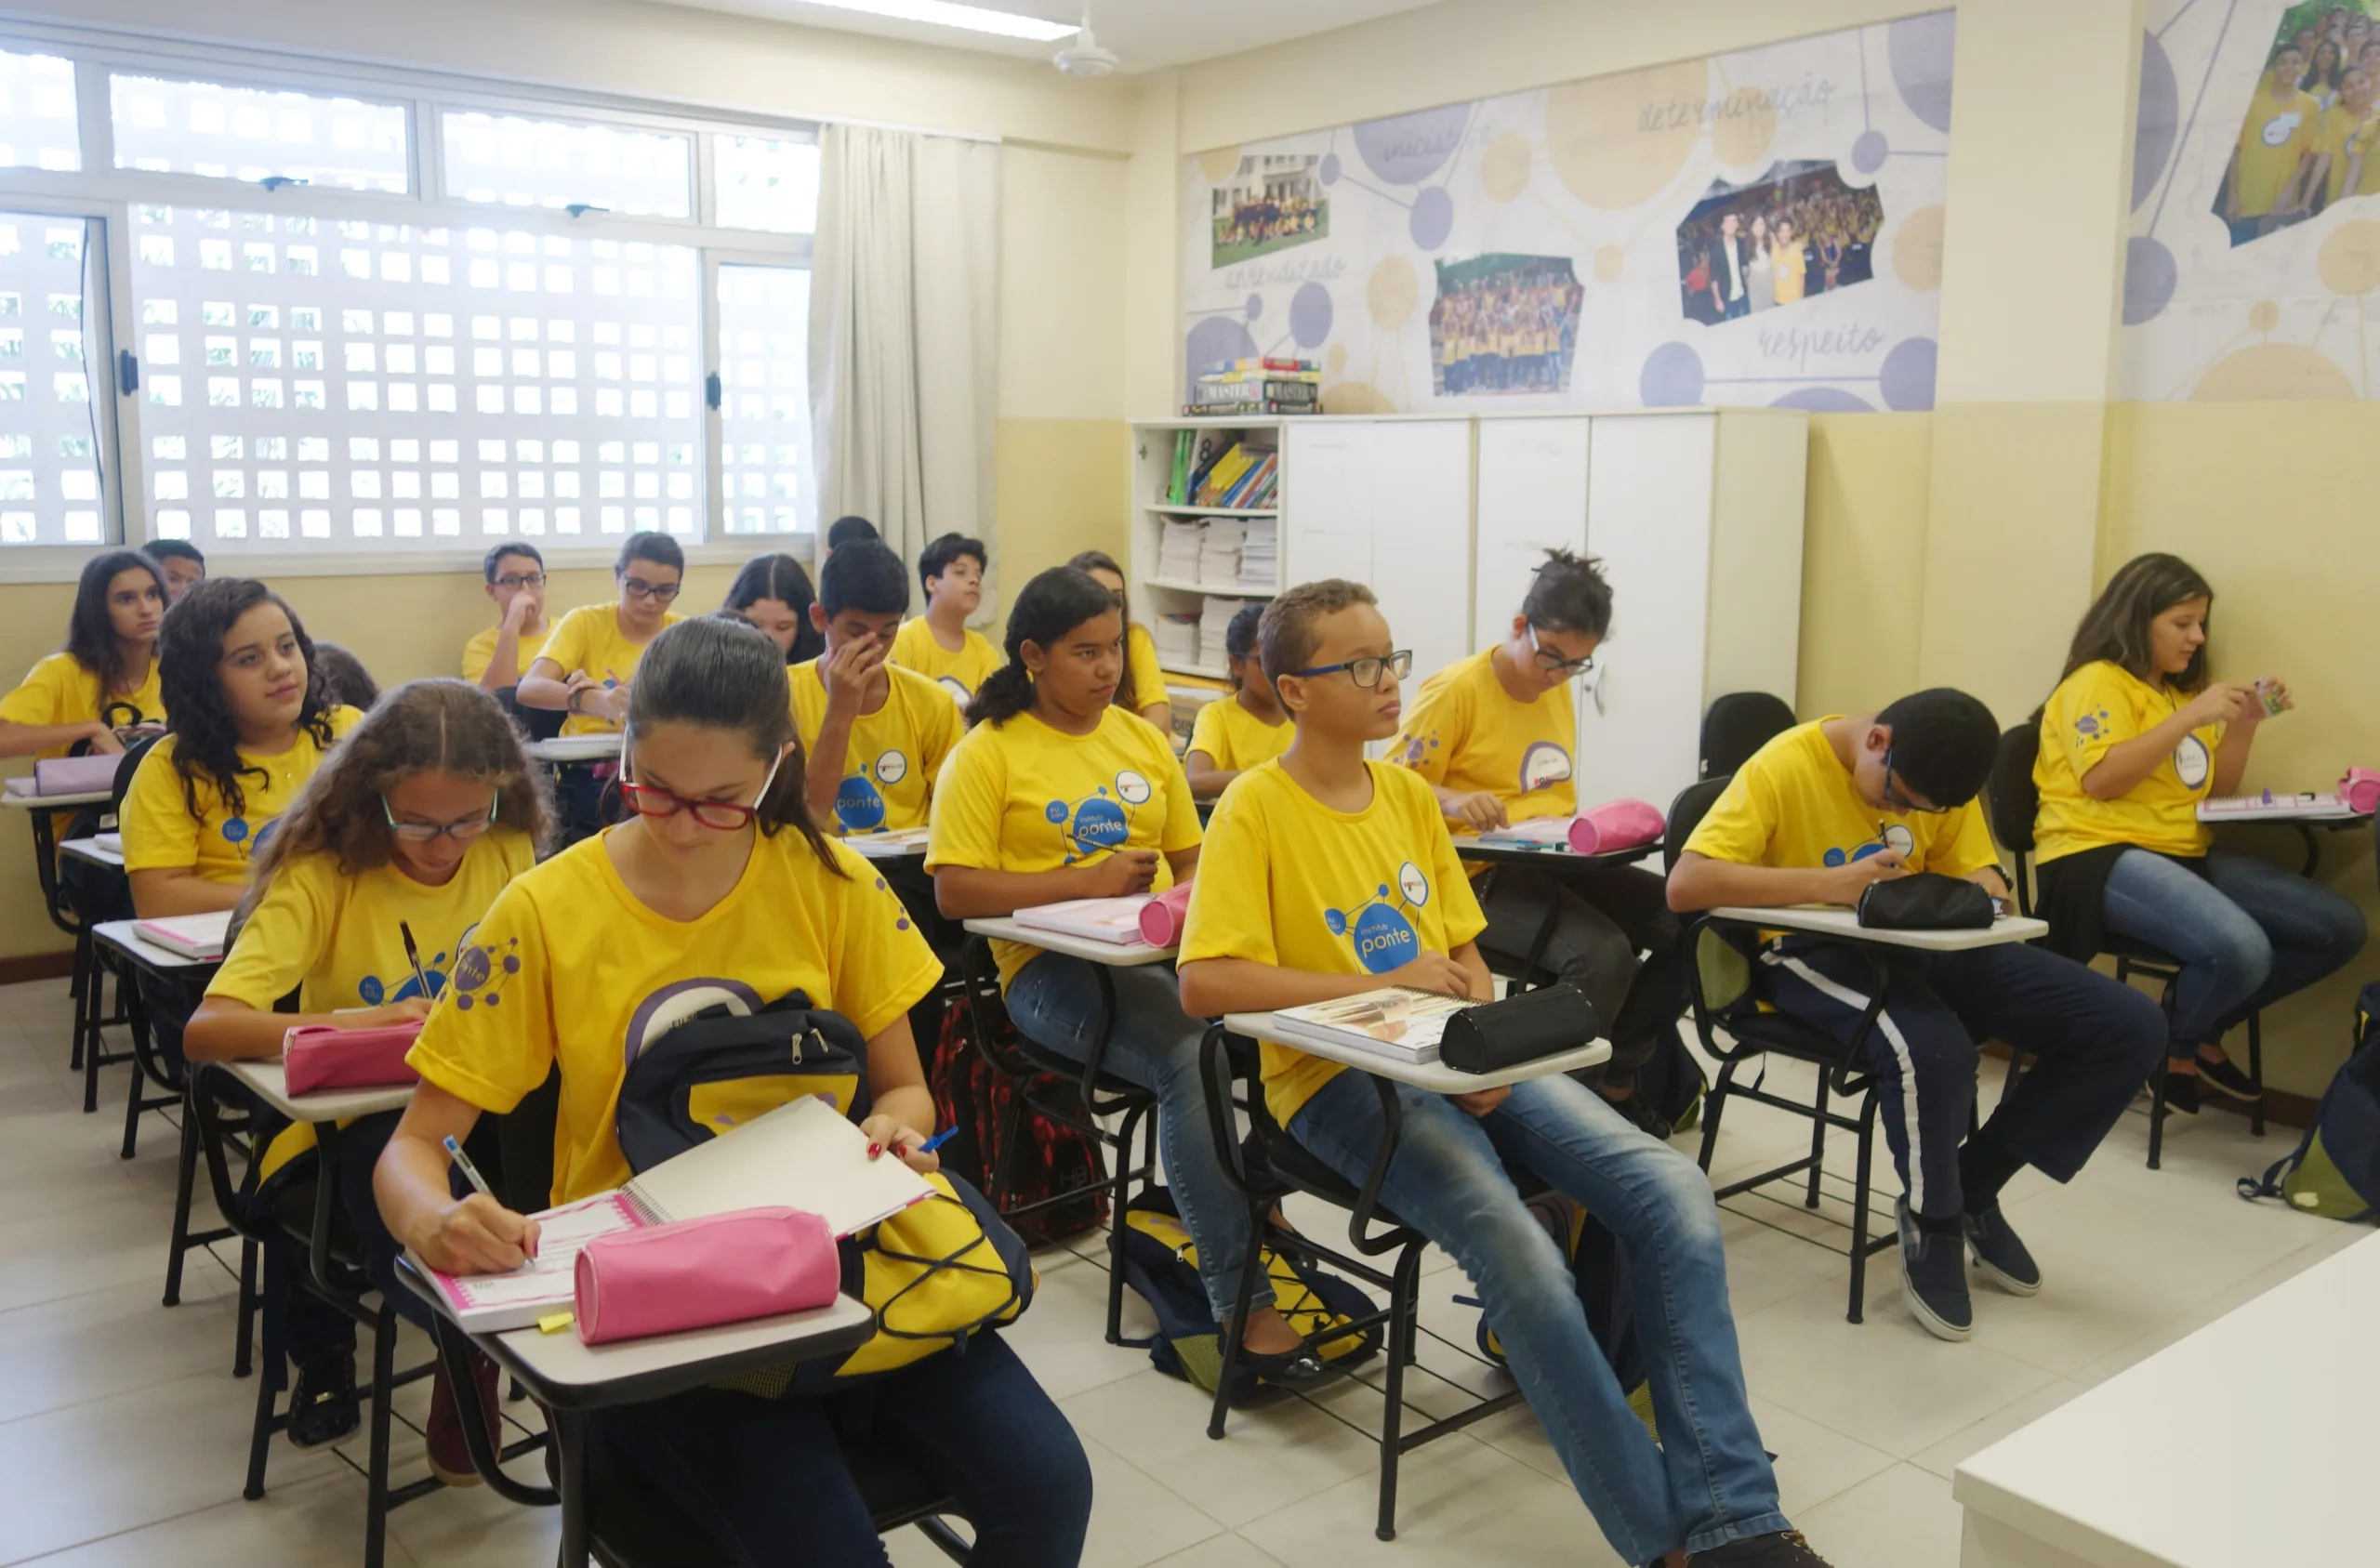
column 760, row 182
column 174, row 126
column 49, row 436
column 38, row 129
column 764, row 397
column 513, row 160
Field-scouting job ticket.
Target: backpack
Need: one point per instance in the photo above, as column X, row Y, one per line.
column 973, row 1094
column 1605, row 1293
column 2334, row 1170
column 1161, row 1265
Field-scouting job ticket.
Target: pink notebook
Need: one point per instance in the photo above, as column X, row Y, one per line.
column 491, row 1303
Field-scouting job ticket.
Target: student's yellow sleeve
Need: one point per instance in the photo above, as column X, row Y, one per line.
column 159, row 832
column 1742, row 821
column 882, row 967
column 42, row 697
column 490, row 1039
column 1231, row 902
column 967, row 804
column 1208, row 734
column 2090, row 714
column 1181, row 829
column 941, row 727
column 1463, row 917
column 283, row 941
column 567, row 647
column 1964, row 849
column 1435, row 730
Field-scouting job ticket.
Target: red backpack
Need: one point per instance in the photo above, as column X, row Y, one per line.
column 981, row 1100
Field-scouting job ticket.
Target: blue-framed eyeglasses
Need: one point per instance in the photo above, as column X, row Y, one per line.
column 1366, row 672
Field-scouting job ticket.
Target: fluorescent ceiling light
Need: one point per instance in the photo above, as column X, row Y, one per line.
column 947, row 13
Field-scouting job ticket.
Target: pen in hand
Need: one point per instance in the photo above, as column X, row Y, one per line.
column 471, row 1172
column 413, row 956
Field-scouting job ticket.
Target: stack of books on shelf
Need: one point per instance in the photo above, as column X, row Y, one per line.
column 1213, row 624
column 1258, row 386
column 1219, row 553
column 1228, row 473
column 1260, row 555
column 1178, row 639
column 1179, row 546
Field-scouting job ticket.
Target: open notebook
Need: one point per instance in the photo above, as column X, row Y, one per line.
column 1396, row 1023
column 803, row 1154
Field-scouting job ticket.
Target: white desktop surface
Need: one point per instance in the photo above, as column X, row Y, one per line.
column 1117, row 955
column 1829, row 921
column 122, row 934
column 560, row 1360
column 266, row 1080
column 1429, row 1075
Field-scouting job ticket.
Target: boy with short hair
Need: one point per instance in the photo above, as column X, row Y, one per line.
column 939, row 644
column 181, row 563
column 846, row 530
column 1492, row 735
column 1326, row 875
column 498, row 656
column 1815, row 816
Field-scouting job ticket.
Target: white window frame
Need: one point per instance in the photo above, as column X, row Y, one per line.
column 101, row 190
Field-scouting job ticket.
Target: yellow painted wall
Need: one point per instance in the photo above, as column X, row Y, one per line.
column 1863, row 555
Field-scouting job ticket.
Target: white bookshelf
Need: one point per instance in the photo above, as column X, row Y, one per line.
column 1155, row 596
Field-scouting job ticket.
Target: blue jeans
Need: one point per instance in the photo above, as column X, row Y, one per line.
column 2248, row 933
column 1054, row 999
column 768, row 1476
column 1709, row 1483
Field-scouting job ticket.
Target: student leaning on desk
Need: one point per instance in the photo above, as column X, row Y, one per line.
column 2134, row 736
column 1325, row 876
column 718, row 889
column 362, row 903
column 104, row 680
column 1817, row 815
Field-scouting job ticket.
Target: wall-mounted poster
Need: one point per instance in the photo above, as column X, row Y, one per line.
column 2256, row 237
column 1762, row 227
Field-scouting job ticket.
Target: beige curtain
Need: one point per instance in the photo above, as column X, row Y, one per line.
column 904, row 333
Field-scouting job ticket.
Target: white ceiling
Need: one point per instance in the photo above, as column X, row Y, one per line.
column 1148, row 33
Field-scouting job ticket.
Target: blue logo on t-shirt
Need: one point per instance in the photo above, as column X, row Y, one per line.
column 858, row 806
column 1384, row 937
column 1896, row 837
column 1102, row 820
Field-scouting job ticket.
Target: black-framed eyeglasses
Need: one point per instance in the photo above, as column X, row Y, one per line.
column 1898, row 798
column 1366, row 672
column 426, row 833
column 1554, row 664
column 660, row 593
column 522, row 580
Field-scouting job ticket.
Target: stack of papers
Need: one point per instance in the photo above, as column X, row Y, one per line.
column 1396, row 1024
column 193, row 935
column 1177, row 550
column 2305, row 806
column 1115, row 920
column 1259, row 556
column 1177, row 639
column 1219, row 553
column 1214, row 628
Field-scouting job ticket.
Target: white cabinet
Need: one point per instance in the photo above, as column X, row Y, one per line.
column 1532, row 498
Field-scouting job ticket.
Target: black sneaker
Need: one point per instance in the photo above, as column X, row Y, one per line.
column 1641, row 1115
column 1933, row 1280
column 1784, row 1549
column 322, row 1406
column 2000, row 1254
column 2181, row 1094
column 2218, row 1074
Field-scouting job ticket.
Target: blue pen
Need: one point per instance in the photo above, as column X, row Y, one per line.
column 937, row 1140
column 463, row 1163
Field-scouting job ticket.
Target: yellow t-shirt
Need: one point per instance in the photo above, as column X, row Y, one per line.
column 2340, row 131
column 1140, row 657
column 914, row 648
column 569, row 966
column 1022, row 796
column 1285, row 880
column 2093, row 709
column 160, row 834
column 589, row 642
column 1795, row 805
column 59, row 691
column 1236, row 738
column 2273, row 139
column 2361, row 141
column 894, row 755
column 1463, row 732
column 481, row 649
column 1792, row 263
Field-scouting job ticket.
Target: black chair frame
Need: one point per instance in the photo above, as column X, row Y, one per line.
column 91, row 963
column 1102, row 1095
column 1262, row 1181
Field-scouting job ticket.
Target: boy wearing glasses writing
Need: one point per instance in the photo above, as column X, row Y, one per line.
column 1817, row 815
column 1325, row 876
column 586, row 665
column 498, row 656
column 1492, row 735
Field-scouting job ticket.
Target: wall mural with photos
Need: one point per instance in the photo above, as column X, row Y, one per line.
column 2255, row 240
column 1760, row 227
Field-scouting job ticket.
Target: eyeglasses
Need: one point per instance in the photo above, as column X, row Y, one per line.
column 724, row 816
column 1366, row 672
column 660, row 593
column 1898, row 798
column 525, row 580
column 426, row 833
column 1554, row 664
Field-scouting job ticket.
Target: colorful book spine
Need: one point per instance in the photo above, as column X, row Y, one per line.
column 1257, row 391
column 1242, row 410
column 1272, row 362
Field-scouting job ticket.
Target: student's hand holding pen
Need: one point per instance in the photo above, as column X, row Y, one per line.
column 1124, row 873
column 409, row 1009
column 1845, row 883
column 886, row 1136
column 479, row 1235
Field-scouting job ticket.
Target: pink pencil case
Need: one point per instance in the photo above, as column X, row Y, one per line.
column 1161, row 917
column 1616, row 824
column 76, row 775
column 2361, row 789
column 318, row 1057
column 697, row 1273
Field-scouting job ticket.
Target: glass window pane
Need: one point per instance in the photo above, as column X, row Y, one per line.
column 766, row 184
column 245, row 133
column 518, row 161
column 49, row 466
column 327, row 359
column 37, row 124
column 764, row 400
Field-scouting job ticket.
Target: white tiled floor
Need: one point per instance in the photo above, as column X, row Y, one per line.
column 123, row 1435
